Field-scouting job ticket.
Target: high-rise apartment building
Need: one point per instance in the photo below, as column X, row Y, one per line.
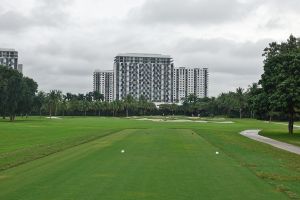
column 152, row 76
column 9, row 58
column 148, row 75
column 104, row 83
column 179, row 84
column 188, row 81
column 201, row 82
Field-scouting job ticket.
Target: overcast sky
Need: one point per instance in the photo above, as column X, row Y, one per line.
column 61, row 42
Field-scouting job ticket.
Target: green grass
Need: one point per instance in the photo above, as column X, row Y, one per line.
column 281, row 134
column 79, row 158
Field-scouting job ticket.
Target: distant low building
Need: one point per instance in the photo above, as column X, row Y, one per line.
column 9, row 58
column 103, row 83
column 20, row 68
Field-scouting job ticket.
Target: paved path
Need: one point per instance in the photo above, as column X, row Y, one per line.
column 253, row 134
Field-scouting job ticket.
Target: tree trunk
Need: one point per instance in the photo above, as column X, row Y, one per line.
column 240, row 113
column 40, row 113
column 126, row 112
column 50, row 112
column 291, row 123
column 99, row 113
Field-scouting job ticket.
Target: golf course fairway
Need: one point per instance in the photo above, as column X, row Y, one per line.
column 160, row 161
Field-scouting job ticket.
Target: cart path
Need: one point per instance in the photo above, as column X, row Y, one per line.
column 253, row 134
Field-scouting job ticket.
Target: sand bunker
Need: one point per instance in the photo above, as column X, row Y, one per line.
column 184, row 120
column 53, row 118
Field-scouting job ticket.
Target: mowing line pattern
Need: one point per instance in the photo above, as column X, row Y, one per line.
column 158, row 163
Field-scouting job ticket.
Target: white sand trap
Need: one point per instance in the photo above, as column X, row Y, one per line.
column 147, row 119
column 178, row 120
column 225, row 122
column 184, row 120
column 53, row 118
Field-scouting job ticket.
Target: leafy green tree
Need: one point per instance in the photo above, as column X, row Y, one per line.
column 191, row 98
column 281, row 77
column 14, row 89
column 29, row 88
column 3, row 89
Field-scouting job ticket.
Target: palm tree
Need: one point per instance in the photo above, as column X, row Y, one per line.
column 113, row 107
column 128, row 102
column 95, row 107
column 63, row 105
column 53, row 99
column 39, row 101
column 142, row 104
column 97, row 96
column 240, row 99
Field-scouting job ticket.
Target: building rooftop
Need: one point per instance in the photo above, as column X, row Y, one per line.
column 99, row 70
column 144, row 55
column 7, row 49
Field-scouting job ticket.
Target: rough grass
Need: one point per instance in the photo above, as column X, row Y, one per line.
column 281, row 134
column 80, row 159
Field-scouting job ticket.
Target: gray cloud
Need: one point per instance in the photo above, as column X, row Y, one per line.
column 43, row 14
column 283, row 6
column 191, row 11
column 61, row 47
column 223, row 55
column 12, row 21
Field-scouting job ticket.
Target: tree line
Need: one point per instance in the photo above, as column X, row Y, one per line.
column 89, row 104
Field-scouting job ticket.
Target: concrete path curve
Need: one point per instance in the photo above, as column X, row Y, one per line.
column 253, row 134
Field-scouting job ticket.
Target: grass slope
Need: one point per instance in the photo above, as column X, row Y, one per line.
column 157, row 164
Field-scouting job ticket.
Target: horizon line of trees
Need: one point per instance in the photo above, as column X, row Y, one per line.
column 242, row 103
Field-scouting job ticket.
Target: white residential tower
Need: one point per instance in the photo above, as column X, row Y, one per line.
column 104, row 84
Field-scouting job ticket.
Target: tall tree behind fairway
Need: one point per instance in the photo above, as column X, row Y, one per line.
column 281, row 77
column 53, row 98
column 29, row 88
column 16, row 92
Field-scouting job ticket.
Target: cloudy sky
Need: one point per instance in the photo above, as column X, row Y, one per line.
column 61, row 42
